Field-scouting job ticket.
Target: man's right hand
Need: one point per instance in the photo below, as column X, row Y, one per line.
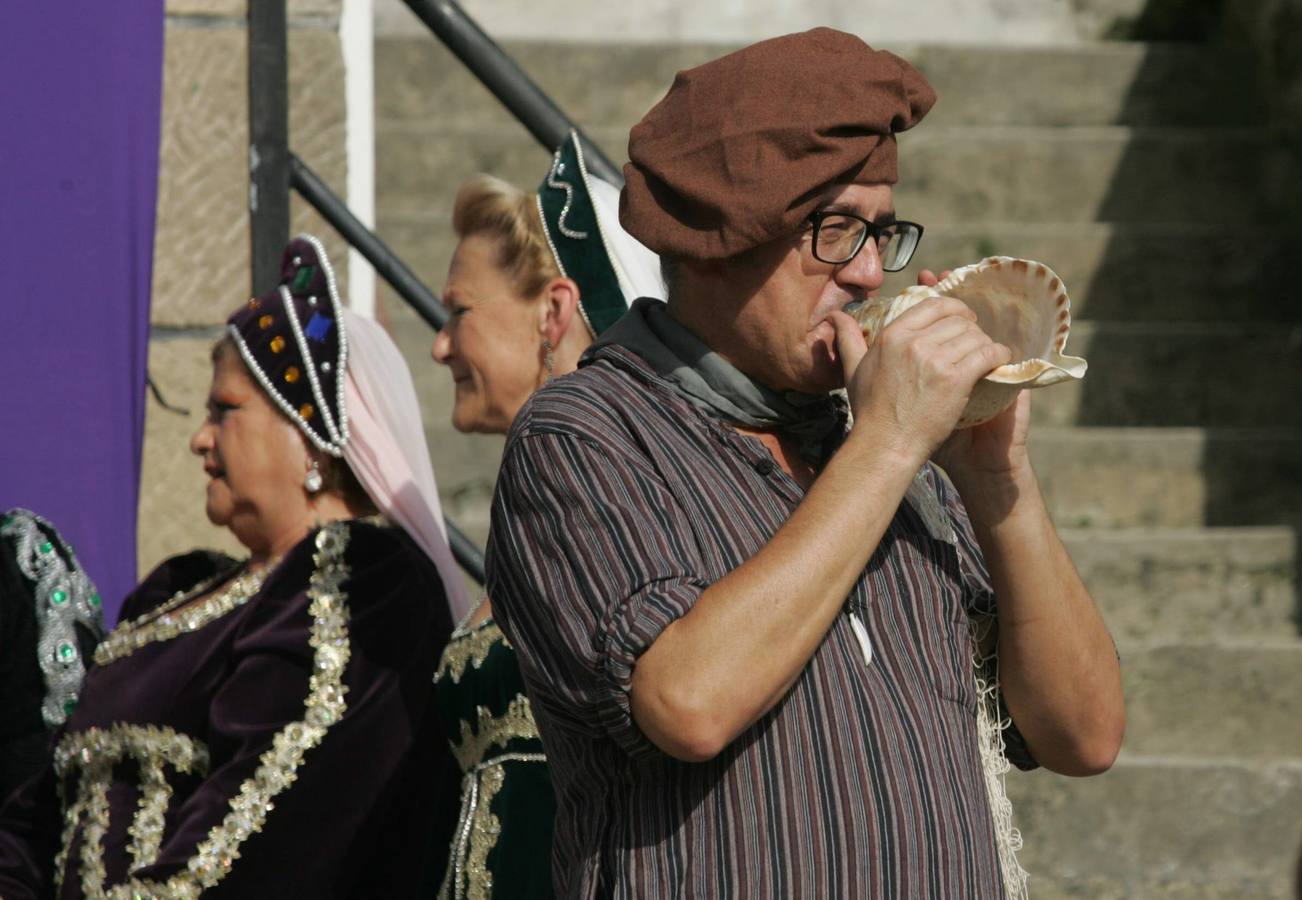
column 910, row 386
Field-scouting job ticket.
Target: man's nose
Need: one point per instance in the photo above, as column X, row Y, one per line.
column 865, row 271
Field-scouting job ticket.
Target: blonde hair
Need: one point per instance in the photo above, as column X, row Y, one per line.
column 490, row 207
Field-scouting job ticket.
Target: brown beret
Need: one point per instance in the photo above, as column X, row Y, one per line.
column 739, row 150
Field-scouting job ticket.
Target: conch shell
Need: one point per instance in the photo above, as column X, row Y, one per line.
column 1019, row 303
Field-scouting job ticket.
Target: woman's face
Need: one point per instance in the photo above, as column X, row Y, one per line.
column 255, row 458
column 492, row 342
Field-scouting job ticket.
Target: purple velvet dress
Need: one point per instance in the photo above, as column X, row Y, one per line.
column 281, row 745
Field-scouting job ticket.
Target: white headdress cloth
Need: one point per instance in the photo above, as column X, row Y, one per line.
column 387, row 450
column 636, row 267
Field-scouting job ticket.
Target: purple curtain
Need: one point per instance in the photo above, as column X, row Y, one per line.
column 80, row 103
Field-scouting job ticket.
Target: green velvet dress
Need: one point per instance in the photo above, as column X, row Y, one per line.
column 503, row 842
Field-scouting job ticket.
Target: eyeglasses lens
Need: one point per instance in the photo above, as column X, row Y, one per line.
column 839, row 238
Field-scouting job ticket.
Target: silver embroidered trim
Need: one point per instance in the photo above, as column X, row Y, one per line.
column 547, row 233
column 55, row 622
column 569, row 199
column 455, row 881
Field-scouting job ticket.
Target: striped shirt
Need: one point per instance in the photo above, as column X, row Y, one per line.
column 617, row 504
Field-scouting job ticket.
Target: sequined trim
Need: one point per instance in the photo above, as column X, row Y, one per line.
column 516, row 722
column 167, row 621
column 94, row 753
column 478, row 829
column 278, row 767
column 467, row 647
column 325, row 705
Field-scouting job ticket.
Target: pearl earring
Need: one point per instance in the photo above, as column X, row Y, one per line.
column 312, row 481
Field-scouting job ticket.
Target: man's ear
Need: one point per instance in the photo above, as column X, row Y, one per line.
column 559, row 309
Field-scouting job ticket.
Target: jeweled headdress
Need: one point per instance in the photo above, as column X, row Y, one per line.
column 293, row 341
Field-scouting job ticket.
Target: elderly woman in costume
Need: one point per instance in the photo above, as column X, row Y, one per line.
column 534, row 278
column 247, row 730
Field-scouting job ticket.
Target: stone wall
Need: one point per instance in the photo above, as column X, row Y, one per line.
column 201, row 245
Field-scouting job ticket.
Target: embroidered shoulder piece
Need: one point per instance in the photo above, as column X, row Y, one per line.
column 65, row 597
column 516, row 722
column 469, row 646
column 278, row 766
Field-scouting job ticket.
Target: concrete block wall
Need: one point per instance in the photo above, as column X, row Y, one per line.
column 201, row 249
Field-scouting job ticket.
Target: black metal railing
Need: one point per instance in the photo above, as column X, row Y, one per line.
column 273, row 169
column 498, row 72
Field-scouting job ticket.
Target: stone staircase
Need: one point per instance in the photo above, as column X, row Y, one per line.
column 1143, row 175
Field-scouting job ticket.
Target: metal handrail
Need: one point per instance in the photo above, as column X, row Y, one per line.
column 386, row 262
column 509, row 83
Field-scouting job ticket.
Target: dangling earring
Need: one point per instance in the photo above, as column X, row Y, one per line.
column 548, row 362
column 312, row 481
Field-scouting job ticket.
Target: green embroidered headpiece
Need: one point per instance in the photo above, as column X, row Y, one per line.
column 580, row 217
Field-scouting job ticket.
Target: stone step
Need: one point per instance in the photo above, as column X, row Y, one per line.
column 1137, row 272
column 1192, row 584
column 947, row 175
column 417, row 80
column 1169, row 477
column 1238, row 700
column 1082, row 174
column 1162, row 827
column 1174, row 374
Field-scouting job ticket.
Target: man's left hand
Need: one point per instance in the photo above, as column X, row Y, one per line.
column 992, row 453
column 992, row 450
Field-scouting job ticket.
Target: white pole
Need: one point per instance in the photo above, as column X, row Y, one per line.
column 356, row 38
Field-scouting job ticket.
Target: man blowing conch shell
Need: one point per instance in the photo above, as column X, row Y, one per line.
column 748, row 631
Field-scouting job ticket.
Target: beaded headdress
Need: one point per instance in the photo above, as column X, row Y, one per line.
column 581, row 220
column 293, row 341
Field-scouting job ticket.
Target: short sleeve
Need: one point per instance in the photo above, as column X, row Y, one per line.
column 590, row 558
column 980, row 600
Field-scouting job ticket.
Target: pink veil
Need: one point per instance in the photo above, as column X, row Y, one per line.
column 386, row 448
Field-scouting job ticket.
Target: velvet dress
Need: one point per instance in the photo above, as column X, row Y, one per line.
column 251, row 746
column 503, row 842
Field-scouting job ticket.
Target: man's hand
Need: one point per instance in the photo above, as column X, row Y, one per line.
column 911, row 385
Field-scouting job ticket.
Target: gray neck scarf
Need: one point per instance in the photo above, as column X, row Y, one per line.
column 719, row 389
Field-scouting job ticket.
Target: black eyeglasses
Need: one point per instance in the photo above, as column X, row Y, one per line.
column 839, row 236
